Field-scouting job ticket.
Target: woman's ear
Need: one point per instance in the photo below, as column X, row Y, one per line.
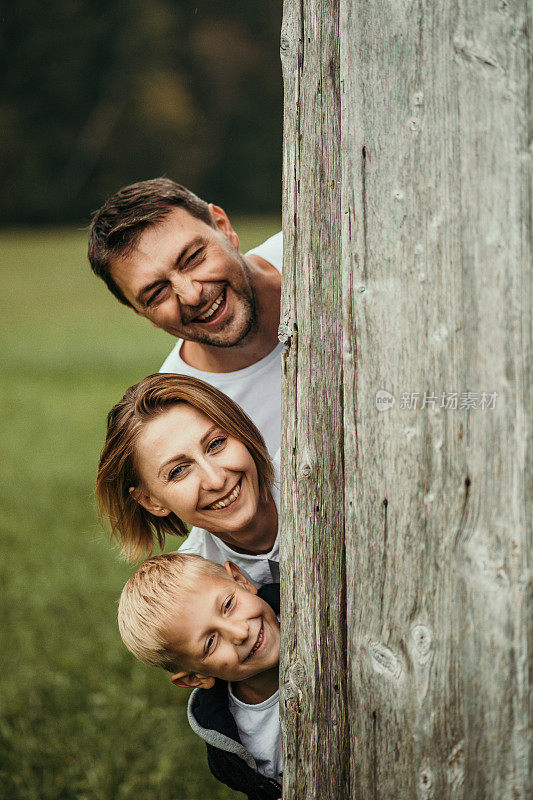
column 239, row 577
column 192, row 680
column 145, row 500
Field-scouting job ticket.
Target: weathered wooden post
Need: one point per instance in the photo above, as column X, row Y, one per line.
column 407, row 514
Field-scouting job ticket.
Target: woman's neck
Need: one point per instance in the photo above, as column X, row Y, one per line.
column 260, row 535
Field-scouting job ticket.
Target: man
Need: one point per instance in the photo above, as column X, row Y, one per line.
column 175, row 260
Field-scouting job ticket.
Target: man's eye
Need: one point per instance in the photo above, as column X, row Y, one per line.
column 193, row 255
column 157, row 295
column 216, row 443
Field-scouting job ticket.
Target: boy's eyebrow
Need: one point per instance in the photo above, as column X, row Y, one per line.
column 141, row 294
column 203, row 440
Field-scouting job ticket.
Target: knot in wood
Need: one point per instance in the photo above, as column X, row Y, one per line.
column 425, row 783
column 306, row 470
column 422, row 639
column 384, row 661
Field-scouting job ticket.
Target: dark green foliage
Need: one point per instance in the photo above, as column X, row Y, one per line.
column 100, row 94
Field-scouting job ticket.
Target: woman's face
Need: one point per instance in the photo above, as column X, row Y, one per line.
column 190, row 466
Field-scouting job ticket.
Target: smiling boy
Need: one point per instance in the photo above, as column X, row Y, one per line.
column 212, row 629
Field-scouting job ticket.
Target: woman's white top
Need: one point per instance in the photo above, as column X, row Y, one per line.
column 260, row 733
column 259, row 569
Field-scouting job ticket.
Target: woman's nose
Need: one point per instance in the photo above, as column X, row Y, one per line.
column 213, row 476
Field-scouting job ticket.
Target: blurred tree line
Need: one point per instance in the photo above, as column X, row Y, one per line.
column 100, row 93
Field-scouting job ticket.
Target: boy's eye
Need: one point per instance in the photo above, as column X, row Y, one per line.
column 216, row 443
column 210, row 643
column 228, row 603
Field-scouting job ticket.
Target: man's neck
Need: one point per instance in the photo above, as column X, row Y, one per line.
column 266, row 281
column 258, row 688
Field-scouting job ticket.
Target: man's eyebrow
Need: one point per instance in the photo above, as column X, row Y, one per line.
column 203, row 440
column 141, row 294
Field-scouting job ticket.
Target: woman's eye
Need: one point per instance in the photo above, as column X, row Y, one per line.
column 175, row 472
column 218, row 442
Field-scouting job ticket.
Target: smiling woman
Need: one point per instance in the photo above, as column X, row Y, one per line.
column 179, row 452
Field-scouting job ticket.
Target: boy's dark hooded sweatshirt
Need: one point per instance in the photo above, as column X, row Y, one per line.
column 211, row 718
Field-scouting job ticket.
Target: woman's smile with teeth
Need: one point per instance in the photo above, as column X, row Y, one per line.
column 227, row 500
column 212, row 308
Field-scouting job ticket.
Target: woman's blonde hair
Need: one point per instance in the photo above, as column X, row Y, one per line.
column 131, row 524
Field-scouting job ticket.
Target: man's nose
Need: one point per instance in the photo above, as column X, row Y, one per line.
column 188, row 290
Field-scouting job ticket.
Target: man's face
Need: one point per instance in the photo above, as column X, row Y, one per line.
column 190, row 279
column 231, row 633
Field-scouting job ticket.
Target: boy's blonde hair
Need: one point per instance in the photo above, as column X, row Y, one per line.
column 153, row 597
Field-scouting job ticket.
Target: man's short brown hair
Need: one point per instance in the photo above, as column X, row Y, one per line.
column 116, row 227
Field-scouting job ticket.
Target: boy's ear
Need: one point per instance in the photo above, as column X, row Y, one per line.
column 192, row 680
column 223, row 224
column 144, row 499
column 239, row 577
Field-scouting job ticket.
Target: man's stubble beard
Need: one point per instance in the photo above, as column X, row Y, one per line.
column 250, row 307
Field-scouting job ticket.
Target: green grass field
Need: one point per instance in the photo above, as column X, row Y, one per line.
column 79, row 717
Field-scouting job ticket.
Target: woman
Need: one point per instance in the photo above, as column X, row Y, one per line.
column 178, row 452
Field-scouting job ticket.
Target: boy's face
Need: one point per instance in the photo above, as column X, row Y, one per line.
column 226, row 631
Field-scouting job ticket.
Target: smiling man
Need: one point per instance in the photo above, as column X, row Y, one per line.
column 174, row 259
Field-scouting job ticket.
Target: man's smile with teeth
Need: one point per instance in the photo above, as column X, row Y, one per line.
column 213, row 308
column 226, row 501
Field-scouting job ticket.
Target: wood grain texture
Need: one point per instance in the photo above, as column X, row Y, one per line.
column 436, row 258
column 313, row 613
column 407, row 533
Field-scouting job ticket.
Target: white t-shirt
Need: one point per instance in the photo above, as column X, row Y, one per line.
column 260, row 733
column 258, row 569
column 257, row 388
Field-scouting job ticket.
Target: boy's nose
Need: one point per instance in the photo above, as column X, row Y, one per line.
column 238, row 631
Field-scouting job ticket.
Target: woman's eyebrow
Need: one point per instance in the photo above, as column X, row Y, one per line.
column 171, row 460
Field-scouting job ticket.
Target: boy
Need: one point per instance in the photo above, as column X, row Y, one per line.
column 211, row 628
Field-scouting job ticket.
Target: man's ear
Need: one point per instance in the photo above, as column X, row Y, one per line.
column 223, row 224
column 192, row 680
column 239, row 577
column 145, row 500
